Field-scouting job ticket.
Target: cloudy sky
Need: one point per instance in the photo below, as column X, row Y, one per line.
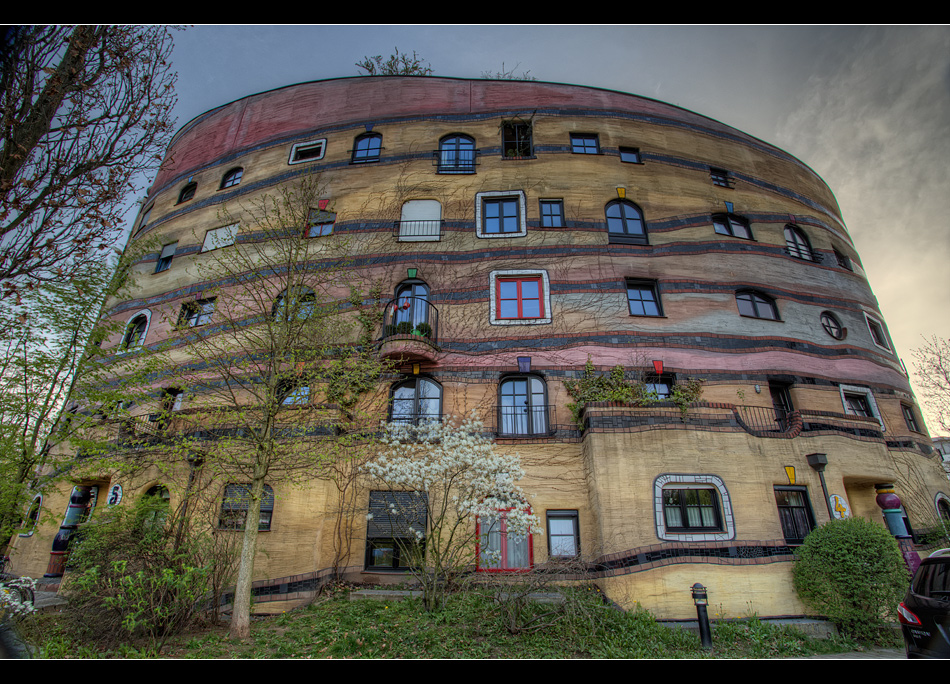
column 868, row 108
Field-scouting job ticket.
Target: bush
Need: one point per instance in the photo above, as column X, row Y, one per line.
column 852, row 571
column 137, row 574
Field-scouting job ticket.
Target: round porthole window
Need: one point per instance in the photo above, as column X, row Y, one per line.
column 832, row 325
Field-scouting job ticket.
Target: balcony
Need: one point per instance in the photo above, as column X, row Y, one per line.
column 410, row 330
column 429, row 230
column 522, row 422
column 455, row 160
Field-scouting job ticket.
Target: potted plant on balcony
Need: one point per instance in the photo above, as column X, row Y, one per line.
column 404, row 328
column 423, row 330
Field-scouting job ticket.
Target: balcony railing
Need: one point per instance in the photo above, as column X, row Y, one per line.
column 763, row 418
column 455, row 161
column 410, row 316
column 525, row 421
column 429, row 230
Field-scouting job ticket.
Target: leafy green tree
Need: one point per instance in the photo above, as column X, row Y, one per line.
column 852, row 571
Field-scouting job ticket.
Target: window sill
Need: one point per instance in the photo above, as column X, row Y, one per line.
column 626, row 240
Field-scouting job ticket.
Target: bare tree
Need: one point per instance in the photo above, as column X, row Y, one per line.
column 932, row 371
column 264, row 379
column 85, row 110
column 398, row 64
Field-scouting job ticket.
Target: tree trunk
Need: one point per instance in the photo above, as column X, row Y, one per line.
column 241, row 615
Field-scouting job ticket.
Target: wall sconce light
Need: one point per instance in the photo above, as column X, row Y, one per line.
column 415, row 369
column 621, row 192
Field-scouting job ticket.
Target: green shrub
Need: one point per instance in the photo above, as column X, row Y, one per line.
column 852, row 571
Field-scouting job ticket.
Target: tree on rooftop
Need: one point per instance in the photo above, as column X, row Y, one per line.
column 398, row 64
column 84, row 110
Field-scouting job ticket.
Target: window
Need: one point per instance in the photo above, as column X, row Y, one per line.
column 237, row 500
column 417, row 400
column 456, row 154
column 730, row 224
column 172, row 399
column 797, row 245
column 410, row 309
column 552, row 213
column 421, row 221
column 943, row 507
column 500, row 214
column 146, row 215
column 692, row 508
column 395, row 530
column 910, row 418
column 366, row 148
column 643, row 299
column 625, row 223
column 165, row 258
column 232, row 178
column 720, row 177
column 187, row 192
column 320, row 223
column 300, row 305
column 32, row 516
column 756, row 305
column 158, row 499
column 661, row 386
column 630, row 155
column 781, row 404
column 584, row 144
column 220, row 237
column 857, row 405
column 832, row 325
column 520, row 297
column 842, row 260
column 876, row 328
column 516, row 140
column 307, row 151
column 135, row 332
column 794, row 512
column 522, row 407
column 687, row 509
column 498, row 550
column 295, row 395
column 196, row 313
column 563, row 535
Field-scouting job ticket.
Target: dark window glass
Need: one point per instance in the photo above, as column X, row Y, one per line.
column 797, row 244
column 237, row 500
column 630, row 155
column 858, row 405
column 416, row 400
column 625, row 223
column 552, row 213
column 730, row 224
column 307, row 151
column 756, row 305
column 232, row 178
column 832, row 325
column 910, row 418
column 584, row 144
column 643, row 298
column 501, row 215
column 720, row 177
column 367, row 148
column 515, row 140
column 877, row 333
column 166, row 256
column 794, row 512
column 135, row 332
column 187, row 192
column 196, row 313
column 691, row 509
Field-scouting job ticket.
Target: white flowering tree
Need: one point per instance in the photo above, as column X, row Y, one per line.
column 438, row 480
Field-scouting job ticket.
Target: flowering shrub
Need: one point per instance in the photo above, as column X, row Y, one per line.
column 14, row 598
column 448, row 475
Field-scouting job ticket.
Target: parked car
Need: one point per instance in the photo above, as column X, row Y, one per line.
column 925, row 612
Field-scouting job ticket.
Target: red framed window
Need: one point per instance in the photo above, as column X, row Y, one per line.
column 520, row 298
column 500, row 552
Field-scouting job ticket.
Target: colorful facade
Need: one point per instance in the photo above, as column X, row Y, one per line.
column 522, row 228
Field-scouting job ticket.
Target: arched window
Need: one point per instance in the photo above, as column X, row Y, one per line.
column 410, row 309
column 416, row 400
column 300, row 304
column 943, row 508
column 237, row 499
column 797, row 244
column 625, row 223
column 456, row 154
column 135, row 332
column 232, row 178
column 366, row 148
column 756, row 305
column 187, row 192
column 32, row 516
column 522, row 406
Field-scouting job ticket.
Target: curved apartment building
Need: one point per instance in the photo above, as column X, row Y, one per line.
column 522, row 228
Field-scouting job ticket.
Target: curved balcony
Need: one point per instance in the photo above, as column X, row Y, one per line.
column 410, row 330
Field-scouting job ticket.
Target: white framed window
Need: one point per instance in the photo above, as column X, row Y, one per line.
column 307, row 151
column 692, row 508
column 878, row 333
column 520, row 297
column 224, row 236
column 500, row 214
column 421, row 221
column 859, row 401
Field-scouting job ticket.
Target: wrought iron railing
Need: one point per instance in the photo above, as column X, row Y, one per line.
column 410, row 316
column 409, row 231
column 763, row 418
column 455, row 161
column 525, row 421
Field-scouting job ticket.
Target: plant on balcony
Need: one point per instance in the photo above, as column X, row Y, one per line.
column 404, row 328
column 425, row 330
